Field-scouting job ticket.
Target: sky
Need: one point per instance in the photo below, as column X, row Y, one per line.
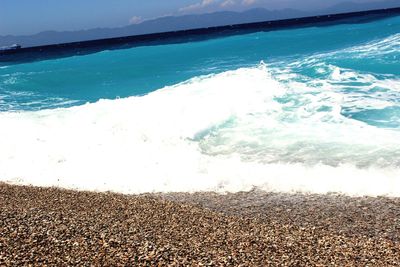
column 25, row 17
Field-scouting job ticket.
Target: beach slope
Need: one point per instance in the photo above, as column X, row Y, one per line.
column 48, row 226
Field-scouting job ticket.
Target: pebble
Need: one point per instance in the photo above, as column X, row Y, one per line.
column 55, row 227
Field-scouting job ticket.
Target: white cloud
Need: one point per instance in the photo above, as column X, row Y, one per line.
column 248, row 2
column 200, row 5
column 135, row 20
column 227, row 3
column 213, row 5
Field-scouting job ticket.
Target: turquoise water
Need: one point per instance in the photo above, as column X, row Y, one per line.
column 137, row 71
column 313, row 109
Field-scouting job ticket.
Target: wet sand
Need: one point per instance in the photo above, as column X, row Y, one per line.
column 47, row 226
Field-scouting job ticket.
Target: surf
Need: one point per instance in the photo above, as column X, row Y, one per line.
column 225, row 132
column 227, row 114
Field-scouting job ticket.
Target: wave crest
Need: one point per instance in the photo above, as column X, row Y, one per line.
column 226, row 132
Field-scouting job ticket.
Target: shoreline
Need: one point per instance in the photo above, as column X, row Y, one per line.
column 52, row 226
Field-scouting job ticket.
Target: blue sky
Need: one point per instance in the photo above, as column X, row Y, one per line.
column 21, row 17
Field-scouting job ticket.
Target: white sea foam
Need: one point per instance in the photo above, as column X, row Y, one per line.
column 381, row 47
column 227, row 132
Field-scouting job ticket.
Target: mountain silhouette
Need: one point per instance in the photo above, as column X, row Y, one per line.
column 176, row 23
column 351, row 6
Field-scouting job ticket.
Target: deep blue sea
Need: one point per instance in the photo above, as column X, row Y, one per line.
column 313, row 109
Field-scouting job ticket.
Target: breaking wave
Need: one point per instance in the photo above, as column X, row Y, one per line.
column 264, row 126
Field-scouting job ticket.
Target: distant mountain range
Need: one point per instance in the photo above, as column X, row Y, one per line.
column 175, row 23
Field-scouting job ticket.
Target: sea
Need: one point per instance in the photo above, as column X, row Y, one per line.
column 312, row 109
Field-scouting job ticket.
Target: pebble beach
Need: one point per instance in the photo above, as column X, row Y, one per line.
column 56, row 227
